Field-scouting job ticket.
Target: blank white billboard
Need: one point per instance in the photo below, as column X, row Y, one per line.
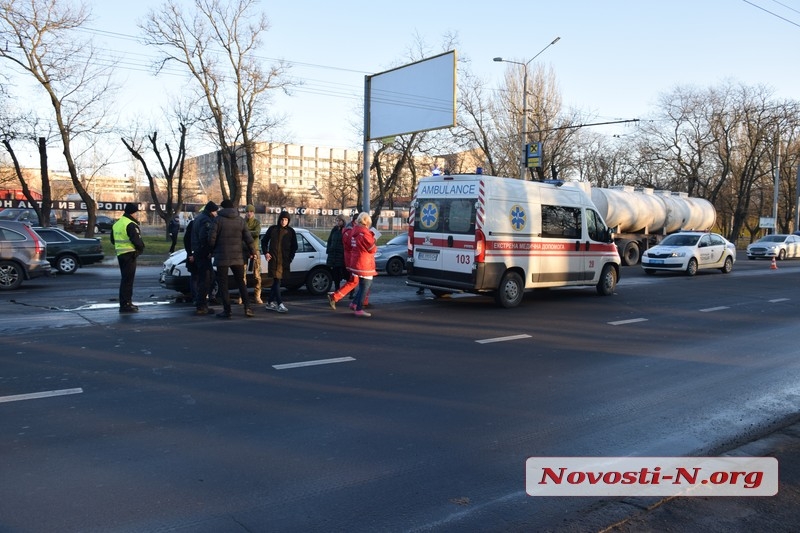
column 420, row 96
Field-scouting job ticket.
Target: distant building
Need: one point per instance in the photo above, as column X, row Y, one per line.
column 299, row 171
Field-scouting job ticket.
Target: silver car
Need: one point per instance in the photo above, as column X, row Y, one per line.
column 391, row 257
column 778, row 246
column 23, row 255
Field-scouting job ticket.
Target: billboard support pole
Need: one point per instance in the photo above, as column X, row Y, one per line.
column 367, row 159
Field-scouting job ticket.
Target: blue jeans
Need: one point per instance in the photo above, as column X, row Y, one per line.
column 363, row 288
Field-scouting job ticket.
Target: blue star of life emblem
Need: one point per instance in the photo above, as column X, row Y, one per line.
column 429, row 214
column 518, row 218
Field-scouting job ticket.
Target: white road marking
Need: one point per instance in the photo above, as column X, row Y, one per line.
column 776, row 300
column 36, row 395
column 711, row 309
column 629, row 321
column 314, row 363
column 503, row 339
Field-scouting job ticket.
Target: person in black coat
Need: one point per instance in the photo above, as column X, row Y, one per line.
column 228, row 236
column 201, row 255
column 335, row 249
column 174, row 228
column 279, row 245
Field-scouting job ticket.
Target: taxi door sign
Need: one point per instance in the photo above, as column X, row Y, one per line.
column 533, row 155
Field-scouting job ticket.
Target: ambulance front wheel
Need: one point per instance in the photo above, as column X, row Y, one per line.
column 511, row 290
column 607, row 282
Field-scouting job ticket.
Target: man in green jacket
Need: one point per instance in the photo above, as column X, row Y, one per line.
column 127, row 241
column 254, row 225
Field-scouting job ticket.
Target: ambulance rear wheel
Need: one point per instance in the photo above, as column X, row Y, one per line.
column 511, row 290
column 607, row 282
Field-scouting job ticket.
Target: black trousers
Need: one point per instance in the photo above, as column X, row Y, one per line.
column 205, row 273
column 127, row 268
column 222, row 285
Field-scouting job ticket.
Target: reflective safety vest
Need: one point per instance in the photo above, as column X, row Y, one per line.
column 122, row 243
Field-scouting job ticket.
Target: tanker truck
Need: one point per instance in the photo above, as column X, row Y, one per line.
column 639, row 218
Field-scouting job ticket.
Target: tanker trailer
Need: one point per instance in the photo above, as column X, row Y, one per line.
column 639, row 218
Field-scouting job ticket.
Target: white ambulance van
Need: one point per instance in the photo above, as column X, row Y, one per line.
column 503, row 236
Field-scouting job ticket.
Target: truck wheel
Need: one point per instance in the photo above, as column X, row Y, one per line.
column 511, row 290
column 728, row 266
column 631, row 253
column 607, row 282
column 691, row 268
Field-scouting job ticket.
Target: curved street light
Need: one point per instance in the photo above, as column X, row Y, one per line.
column 523, row 163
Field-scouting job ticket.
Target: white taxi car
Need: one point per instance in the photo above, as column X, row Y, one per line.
column 690, row 251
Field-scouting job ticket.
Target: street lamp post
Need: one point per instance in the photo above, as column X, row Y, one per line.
column 523, row 157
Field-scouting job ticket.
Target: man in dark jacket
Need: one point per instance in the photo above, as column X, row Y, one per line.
column 190, row 266
column 228, row 235
column 128, row 244
column 201, row 255
column 174, row 228
column 279, row 245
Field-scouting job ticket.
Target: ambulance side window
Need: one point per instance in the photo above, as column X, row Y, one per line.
column 559, row 222
column 595, row 226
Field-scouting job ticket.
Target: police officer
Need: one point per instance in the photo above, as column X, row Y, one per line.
column 127, row 241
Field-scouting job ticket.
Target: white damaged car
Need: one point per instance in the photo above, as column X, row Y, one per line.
column 308, row 268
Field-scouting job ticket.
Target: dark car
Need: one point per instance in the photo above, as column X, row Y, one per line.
column 25, row 215
column 66, row 252
column 102, row 224
column 22, row 254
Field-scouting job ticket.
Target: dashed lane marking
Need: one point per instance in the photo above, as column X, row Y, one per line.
column 314, row 363
column 37, row 395
column 629, row 321
column 712, row 309
column 503, row 339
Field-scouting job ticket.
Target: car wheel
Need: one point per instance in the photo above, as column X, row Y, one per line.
column 319, row 281
column 395, row 266
column 727, row 266
column 607, row 282
column 11, row 275
column 781, row 255
column 691, row 268
column 97, row 230
column 67, row 264
column 509, row 293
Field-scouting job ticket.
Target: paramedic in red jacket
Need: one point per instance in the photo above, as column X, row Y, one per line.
column 352, row 281
column 363, row 248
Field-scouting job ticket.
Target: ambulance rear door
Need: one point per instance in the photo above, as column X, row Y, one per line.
column 444, row 232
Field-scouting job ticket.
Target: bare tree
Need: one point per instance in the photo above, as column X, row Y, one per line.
column 171, row 170
column 44, row 42
column 217, row 42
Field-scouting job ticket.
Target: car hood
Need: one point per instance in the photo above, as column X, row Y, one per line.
column 176, row 258
column 661, row 249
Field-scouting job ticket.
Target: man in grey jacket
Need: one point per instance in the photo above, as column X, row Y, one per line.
column 229, row 236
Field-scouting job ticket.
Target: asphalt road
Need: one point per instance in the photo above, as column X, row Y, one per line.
column 421, row 418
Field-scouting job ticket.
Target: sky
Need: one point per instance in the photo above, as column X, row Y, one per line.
column 613, row 60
